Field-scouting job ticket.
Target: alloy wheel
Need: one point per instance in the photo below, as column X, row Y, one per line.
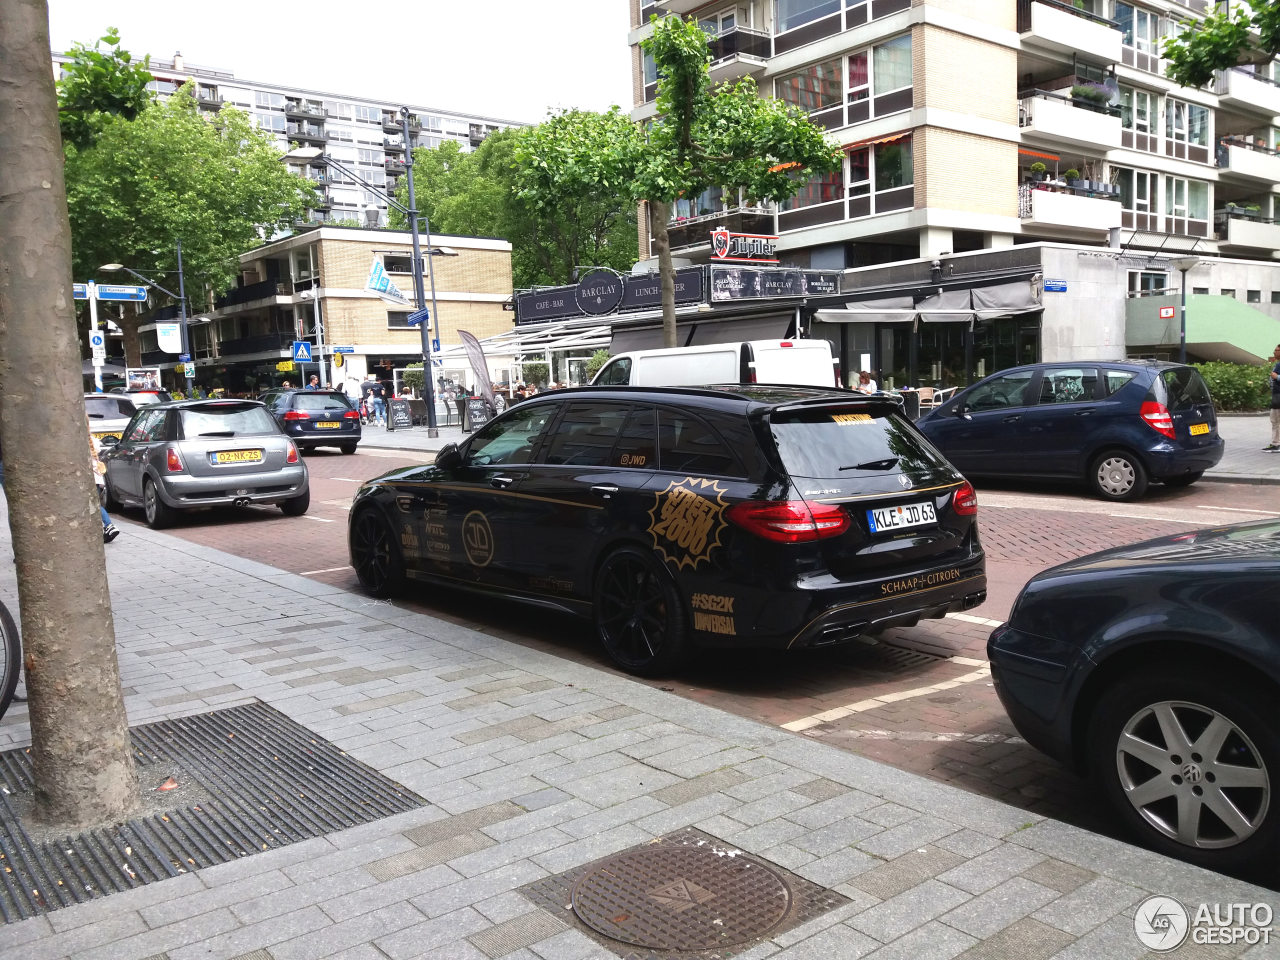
column 635, row 615
column 375, row 555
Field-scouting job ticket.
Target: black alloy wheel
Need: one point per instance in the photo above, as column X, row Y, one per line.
column 1190, row 759
column 375, row 554
column 159, row 515
column 637, row 613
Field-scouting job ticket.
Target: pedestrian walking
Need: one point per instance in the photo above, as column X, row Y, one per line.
column 1274, row 445
column 109, row 530
column 314, row 382
column 375, row 394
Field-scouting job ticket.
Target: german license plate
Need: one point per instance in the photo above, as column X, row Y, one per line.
column 883, row 519
column 328, row 424
column 236, row 456
column 1199, row 429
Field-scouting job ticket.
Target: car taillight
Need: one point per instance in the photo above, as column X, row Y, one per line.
column 292, row 455
column 785, row 343
column 351, row 415
column 965, row 502
column 173, row 460
column 1158, row 418
column 789, row 521
column 296, row 415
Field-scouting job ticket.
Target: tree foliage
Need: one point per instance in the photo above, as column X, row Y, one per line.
column 98, row 84
column 212, row 181
column 1223, row 39
column 480, row 194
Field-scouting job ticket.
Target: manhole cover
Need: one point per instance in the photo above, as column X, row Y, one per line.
column 666, row 897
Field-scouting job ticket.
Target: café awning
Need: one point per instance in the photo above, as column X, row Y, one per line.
column 896, row 309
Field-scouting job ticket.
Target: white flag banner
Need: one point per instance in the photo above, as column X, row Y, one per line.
column 169, row 337
column 382, row 285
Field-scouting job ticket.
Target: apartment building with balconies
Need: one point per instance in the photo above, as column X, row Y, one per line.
column 971, row 127
column 363, row 133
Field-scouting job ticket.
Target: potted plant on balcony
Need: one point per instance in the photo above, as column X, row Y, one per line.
column 1091, row 96
column 1072, row 177
column 1038, row 171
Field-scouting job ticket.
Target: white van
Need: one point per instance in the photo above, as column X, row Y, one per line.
column 803, row 362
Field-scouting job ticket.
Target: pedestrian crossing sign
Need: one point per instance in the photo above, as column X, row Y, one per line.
column 302, row 351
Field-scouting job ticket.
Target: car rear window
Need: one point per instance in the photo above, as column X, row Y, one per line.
column 1185, row 388
column 320, row 402
column 227, row 420
column 847, row 442
column 108, row 407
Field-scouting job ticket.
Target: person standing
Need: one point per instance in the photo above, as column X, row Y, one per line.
column 378, row 398
column 109, row 530
column 314, row 382
column 1274, row 445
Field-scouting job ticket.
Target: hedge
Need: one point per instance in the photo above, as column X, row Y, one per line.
column 1237, row 386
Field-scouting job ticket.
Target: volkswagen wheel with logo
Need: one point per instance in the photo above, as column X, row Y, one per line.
column 676, row 518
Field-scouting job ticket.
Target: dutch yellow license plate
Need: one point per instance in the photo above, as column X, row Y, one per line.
column 236, row 456
column 1198, row 429
column 328, row 424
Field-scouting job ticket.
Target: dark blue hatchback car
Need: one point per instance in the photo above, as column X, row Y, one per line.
column 1117, row 425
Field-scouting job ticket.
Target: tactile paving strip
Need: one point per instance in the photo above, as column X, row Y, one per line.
column 268, row 782
column 685, row 895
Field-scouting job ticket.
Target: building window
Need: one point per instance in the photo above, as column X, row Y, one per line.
column 820, row 189
column 796, row 13
column 1146, row 283
column 1139, row 28
column 1187, row 123
column 717, row 23
column 1136, row 188
column 1186, row 206
column 339, row 111
column 860, row 172
column 1253, row 296
column 369, row 114
column 398, row 320
column 274, row 122
column 816, row 87
column 891, row 65
column 1228, row 292
column 368, row 157
column 1135, row 110
column 859, row 78
column 894, row 167
column 1275, row 296
column 1200, row 291
column 269, row 101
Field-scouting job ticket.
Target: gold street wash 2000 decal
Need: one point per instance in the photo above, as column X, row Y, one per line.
column 684, row 523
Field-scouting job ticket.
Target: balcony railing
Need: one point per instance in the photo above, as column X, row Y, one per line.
column 262, row 343
column 299, row 131
column 1024, row 13
column 696, row 231
column 253, row 291
column 740, row 41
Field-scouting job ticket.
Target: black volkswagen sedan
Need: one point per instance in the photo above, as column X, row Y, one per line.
column 730, row 516
column 1156, row 668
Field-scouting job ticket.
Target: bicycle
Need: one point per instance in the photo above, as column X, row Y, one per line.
column 10, row 658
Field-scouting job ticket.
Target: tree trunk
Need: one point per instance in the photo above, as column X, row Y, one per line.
column 659, row 214
column 129, row 339
column 80, row 737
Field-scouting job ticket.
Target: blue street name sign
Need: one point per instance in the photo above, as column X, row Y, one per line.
column 1055, row 286
column 185, row 357
column 344, row 349
column 106, row 292
column 79, row 291
column 418, row 316
column 302, row 351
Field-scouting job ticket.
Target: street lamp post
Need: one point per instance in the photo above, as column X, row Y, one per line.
column 1184, row 264
column 180, row 296
column 314, row 154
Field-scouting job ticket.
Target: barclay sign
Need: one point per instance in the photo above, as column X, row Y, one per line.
column 743, row 247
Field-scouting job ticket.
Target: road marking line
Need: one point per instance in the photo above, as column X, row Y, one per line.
column 969, row 618
column 312, row 573
column 918, row 735
column 317, row 519
column 838, row 713
column 1264, row 513
column 347, row 479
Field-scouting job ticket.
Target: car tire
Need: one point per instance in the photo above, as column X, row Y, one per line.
column 158, row 513
column 1167, row 794
column 375, row 554
column 297, row 506
column 348, row 448
column 637, row 613
column 108, row 498
column 1183, row 480
column 1118, row 475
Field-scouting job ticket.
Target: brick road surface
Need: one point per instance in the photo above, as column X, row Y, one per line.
column 958, row 735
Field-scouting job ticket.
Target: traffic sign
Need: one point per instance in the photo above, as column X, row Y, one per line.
column 79, row 291
column 418, row 316
column 435, row 344
column 107, row 292
column 302, row 351
column 98, row 344
column 344, row 349
column 184, row 358
column 188, row 370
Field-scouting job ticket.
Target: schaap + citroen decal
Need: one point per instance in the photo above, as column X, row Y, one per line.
column 686, row 521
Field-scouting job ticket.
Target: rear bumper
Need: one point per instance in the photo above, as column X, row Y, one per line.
column 310, row 436
column 1170, row 461
column 185, row 492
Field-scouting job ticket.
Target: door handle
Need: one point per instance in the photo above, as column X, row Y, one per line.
column 604, row 490
column 1012, row 418
column 1084, row 413
column 500, row 482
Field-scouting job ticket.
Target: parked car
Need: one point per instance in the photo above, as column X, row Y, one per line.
column 1156, row 668
column 141, row 397
column 316, row 418
column 780, row 517
column 1116, row 425
column 805, row 362
column 109, row 414
column 193, row 454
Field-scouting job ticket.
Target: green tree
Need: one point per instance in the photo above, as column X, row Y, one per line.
column 98, row 84
column 704, row 136
column 212, row 181
column 80, row 750
column 598, row 360
column 1244, row 33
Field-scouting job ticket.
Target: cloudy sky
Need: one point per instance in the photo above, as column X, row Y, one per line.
column 505, row 59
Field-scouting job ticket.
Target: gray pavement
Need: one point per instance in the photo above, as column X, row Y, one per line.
column 532, row 765
column 1243, row 462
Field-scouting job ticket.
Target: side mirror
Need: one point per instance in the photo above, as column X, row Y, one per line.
column 448, row 458
column 108, row 441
